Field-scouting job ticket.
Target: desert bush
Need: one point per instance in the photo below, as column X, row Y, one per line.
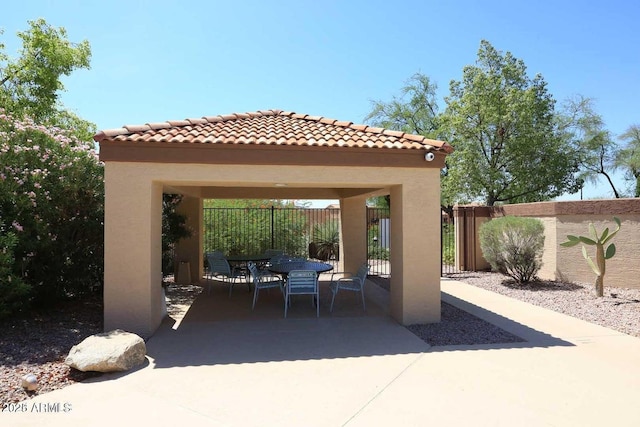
column 513, row 246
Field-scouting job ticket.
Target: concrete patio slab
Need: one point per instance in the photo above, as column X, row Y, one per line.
column 364, row 370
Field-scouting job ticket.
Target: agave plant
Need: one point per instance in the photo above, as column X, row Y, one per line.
column 326, row 238
column 602, row 254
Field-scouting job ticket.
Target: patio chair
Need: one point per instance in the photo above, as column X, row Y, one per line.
column 349, row 282
column 262, row 280
column 217, row 254
column 302, row 282
column 221, row 269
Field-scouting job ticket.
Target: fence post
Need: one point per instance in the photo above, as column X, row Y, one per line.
column 272, row 227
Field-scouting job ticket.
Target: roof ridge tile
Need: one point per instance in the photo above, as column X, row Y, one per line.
column 159, row 125
column 178, row 123
column 271, row 127
column 395, row 133
column 137, row 128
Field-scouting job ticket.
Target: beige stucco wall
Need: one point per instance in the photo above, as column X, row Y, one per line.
column 623, row 270
column 548, row 270
column 190, row 249
column 133, row 298
column 353, row 227
column 573, row 218
column 132, row 271
column 415, row 252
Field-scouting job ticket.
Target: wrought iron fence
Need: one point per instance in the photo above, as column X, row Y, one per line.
column 378, row 241
column 447, row 245
column 310, row 232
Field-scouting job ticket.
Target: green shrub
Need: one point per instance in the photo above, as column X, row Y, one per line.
column 14, row 293
column 513, row 246
column 448, row 244
column 374, row 248
column 52, row 200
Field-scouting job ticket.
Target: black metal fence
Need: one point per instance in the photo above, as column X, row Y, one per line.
column 309, row 232
column 447, row 245
column 378, row 241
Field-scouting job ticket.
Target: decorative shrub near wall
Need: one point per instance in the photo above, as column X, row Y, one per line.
column 513, row 246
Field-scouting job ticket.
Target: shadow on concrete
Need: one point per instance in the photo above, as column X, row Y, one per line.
column 218, row 329
column 530, row 337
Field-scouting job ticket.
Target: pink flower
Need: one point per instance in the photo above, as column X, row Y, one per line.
column 17, row 226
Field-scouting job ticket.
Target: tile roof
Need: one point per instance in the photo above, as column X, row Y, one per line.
column 271, row 127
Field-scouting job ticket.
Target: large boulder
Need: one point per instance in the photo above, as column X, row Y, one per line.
column 108, row 352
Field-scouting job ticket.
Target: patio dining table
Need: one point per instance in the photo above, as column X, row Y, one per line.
column 241, row 262
column 285, row 267
column 243, row 259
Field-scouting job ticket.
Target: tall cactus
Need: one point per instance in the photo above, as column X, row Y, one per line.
column 599, row 266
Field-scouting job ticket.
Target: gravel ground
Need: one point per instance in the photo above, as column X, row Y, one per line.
column 38, row 344
column 618, row 309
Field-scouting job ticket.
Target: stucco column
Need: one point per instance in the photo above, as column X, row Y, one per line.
column 353, row 236
column 415, row 252
column 132, row 252
column 190, row 249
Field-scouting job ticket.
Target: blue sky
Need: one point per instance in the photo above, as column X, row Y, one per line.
column 164, row 60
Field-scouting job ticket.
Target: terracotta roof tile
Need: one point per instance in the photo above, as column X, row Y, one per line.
column 271, row 127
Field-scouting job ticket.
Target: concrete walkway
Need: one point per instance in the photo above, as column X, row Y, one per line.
column 364, row 371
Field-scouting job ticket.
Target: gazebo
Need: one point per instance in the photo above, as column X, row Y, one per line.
column 266, row 154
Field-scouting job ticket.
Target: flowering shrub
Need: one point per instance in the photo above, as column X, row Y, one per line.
column 52, row 201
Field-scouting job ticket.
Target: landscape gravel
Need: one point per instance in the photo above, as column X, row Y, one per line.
column 618, row 309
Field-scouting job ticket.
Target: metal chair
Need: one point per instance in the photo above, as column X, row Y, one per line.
column 263, row 280
column 302, row 282
column 350, row 282
column 220, row 268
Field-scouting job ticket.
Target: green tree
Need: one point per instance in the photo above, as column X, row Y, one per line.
column 592, row 143
column 628, row 157
column 414, row 112
column 51, row 182
column 501, row 124
column 30, row 84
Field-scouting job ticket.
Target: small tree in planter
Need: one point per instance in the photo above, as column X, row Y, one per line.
column 602, row 254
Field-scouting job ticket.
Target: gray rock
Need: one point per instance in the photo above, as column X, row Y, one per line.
column 30, row 382
column 108, row 352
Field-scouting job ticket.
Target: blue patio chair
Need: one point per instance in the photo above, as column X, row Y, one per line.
column 220, row 268
column 263, row 280
column 349, row 282
column 302, row 282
